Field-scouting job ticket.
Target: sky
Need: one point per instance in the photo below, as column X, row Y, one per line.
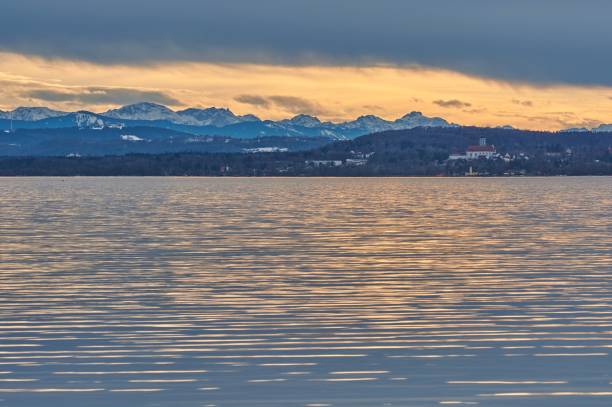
column 531, row 64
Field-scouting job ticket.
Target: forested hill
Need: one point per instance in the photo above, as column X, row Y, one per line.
column 420, row 151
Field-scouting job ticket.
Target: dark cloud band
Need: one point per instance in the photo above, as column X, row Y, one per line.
column 291, row 104
column 546, row 41
column 96, row 95
column 453, row 103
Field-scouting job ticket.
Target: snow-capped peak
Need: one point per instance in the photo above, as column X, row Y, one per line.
column 249, row 118
column 417, row 119
column 212, row 116
column 303, row 120
column 370, row 123
column 300, row 124
column 143, row 111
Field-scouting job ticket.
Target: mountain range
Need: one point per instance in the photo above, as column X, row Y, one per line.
column 223, row 122
column 151, row 128
column 602, row 128
column 210, row 121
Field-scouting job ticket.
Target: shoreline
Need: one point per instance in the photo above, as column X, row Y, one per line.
column 310, row 176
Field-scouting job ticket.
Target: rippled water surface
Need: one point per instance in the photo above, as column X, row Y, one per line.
column 305, row 292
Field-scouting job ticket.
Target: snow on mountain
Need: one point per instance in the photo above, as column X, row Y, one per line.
column 88, row 120
column 130, row 137
column 417, row 119
column 303, row 120
column 602, row 128
column 233, row 125
column 211, row 117
column 31, row 114
column 369, row 123
column 249, row 118
column 146, row 111
column 332, row 134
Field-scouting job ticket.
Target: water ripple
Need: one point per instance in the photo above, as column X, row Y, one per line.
column 305, row 292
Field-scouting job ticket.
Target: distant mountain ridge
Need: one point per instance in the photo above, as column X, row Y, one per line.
column 217, row 117
column 602, row 128
column 31, row 114
column 222, row 121
column 214, row 121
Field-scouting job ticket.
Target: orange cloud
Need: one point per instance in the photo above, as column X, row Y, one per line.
column 334, row 93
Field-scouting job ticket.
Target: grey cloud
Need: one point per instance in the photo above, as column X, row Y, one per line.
column 253, row 100
column 373, row 108
column 297, row 105
column 291, row 104
column 526, row 103
column 475, row 111
column 97, row 95
column 453, row 103
column 546, row 41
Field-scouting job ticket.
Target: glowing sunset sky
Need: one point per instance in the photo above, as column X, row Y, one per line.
column 475, row 62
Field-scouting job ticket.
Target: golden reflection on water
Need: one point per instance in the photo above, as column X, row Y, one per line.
column 305, row 292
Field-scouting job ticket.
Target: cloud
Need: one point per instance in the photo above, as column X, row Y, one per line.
column 475, row 111
column 452, row 104
column 253, row 100
column 563, row 120
column 526, row 103
column 296, row 104
column 292, row 104
column 566, row 38
column 99, row 95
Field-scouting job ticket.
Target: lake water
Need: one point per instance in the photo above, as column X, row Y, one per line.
column 303, row 292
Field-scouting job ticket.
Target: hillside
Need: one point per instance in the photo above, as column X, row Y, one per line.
column 210, row 121
column 144, row 140
column 420, row 151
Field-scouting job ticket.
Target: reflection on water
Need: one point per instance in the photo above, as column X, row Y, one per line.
column 305, row 292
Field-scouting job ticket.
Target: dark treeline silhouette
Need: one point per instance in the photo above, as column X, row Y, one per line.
column 416, row 152
column 138, row 140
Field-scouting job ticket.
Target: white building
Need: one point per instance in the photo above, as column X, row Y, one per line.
column 476, row 152
column 482, row 150
column 457, row 156
column 356, row 162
